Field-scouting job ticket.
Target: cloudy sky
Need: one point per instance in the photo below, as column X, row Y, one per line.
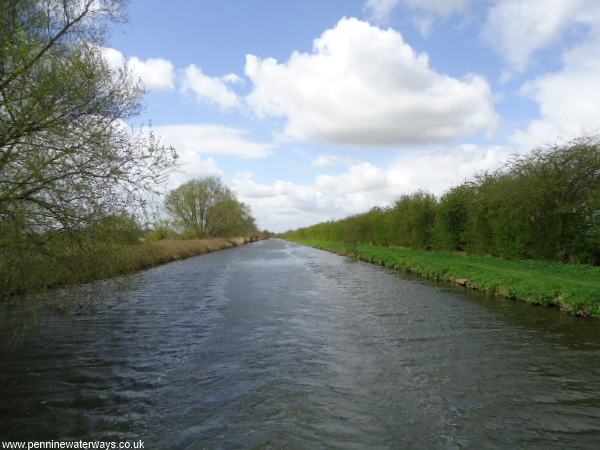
column 313, row 110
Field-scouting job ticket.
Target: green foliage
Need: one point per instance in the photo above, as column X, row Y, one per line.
column 207, row 208
column 66, row 156
column 120, row 229
column 411, row 221
column 573, row 288
column 545, row 205
column 451, row 219
column 161, row 230
column 69, row 166
column 60, row 257
column 102, row 251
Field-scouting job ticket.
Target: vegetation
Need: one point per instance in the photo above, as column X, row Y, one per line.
column 574, row 288
column 207, row 208
column 545, row 205
column 112, row 248
column 74, row 178
column 67, row 158
column 536, row 213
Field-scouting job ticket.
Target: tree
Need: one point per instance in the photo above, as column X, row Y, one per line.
column 230, row 218
column 452, row 218
column 206, row 207
column 67, row 159
column 71, row 170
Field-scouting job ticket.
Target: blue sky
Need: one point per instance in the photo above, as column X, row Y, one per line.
column 316, row 110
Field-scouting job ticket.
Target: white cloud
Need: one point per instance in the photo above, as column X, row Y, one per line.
column 323, row 161
column 569, row 99
column 114, row 58
column 360, row 178
column 154, row 73
column 195, row 142
column 233, row 78
column 191, row 162
column 381, row 9
column 210, row 139
column 282, row 204
column 365, row 86
column 518, row 28
column 211, row 89
column 192, row 165
column 436, row 170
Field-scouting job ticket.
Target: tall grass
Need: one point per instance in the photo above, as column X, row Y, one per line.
column 28, row 270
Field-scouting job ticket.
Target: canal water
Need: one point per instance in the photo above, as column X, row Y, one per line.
column 276, row 345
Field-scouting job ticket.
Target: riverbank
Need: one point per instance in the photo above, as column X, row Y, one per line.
column 92, row 261
column 155, row 253
column 573, row 288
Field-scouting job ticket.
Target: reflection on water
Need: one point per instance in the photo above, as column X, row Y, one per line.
column 278, row 345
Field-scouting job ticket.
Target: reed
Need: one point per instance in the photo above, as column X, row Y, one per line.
column 65, row 264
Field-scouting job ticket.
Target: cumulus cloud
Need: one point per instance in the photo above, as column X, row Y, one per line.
column 211, row 139
column 323, row 161
column 365, row 86
column 381, row 9
column 363, row 185
column 192, row 165
column 211, row 89
column 569, row 99
column 233, row 78
column 518, row 28
column 436, row 170
column 154, row 73
column 195, row 143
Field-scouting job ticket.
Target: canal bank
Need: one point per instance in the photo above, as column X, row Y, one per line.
column 92, row 261
column 570, row 287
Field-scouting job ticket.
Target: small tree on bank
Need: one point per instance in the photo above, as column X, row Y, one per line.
column 206, row 208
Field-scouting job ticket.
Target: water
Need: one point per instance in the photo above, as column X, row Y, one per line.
column 274, row 345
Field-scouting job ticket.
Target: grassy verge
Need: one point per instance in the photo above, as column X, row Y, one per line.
column 573, row 288
column 154, row 253
column 66, row 265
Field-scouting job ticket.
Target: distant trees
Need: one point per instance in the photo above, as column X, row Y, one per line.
column 545, row 205
column 206, row 208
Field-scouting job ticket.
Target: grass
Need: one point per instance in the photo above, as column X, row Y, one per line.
column 159, row 252
column 571, row 287
column 94, row 260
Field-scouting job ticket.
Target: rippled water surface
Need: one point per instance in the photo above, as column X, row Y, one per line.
column 274, row 345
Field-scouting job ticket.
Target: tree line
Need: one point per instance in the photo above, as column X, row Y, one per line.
column 544, row 205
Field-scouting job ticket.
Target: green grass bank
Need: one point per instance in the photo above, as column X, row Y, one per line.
column 571, row 287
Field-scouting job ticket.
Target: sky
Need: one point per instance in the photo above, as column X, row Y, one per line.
column 316, row 110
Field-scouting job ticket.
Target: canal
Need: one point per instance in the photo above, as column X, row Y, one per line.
column 276, row 345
